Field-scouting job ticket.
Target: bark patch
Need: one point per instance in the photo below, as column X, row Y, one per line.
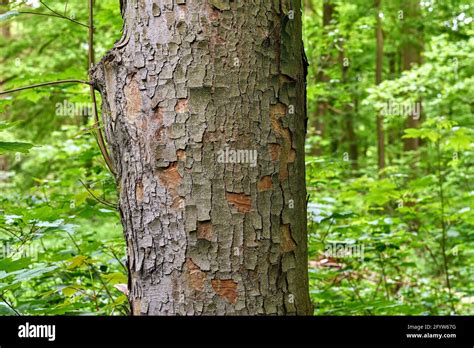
column 204, row 230
column 288, row 244
column 134, row 100
column 226, row 289
column 277, row 112
column 139, row 191
column 265, row 183
column 169, row 177
column 137, row 307
column 158, row 115
column 178, row 202
column 241, row 202
column 274, row 150
column 181, row 155
column 196, row 277
column 181, row 106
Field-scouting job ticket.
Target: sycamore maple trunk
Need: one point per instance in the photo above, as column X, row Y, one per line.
column 188, row 79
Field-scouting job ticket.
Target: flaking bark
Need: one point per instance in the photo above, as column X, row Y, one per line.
column 187, row 79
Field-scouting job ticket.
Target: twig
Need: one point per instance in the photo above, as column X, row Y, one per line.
column 110, row 205
column 9, row 305
column 44, row 84
column 61, row 15
column 12, row 233
column 53, row 15
column 103, row 283
column 117, row 258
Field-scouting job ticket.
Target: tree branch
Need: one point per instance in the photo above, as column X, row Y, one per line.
column 44, row 84
column 53, row 15
column 9, row 304
column 108, row 204
column 61, row 15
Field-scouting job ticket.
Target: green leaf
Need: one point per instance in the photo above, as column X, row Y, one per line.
column 116, row 278
column 422, row 133
column 27, row 274
column 69, row 290
column 77, row 261
column 14, row 147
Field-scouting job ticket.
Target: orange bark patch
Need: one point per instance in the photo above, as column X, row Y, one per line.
column 287, row 242
column 181, row 154
column 226, row 289
column 204, row 230
column 265, row 183
column 181, row 106
column 274, row 150
column 139, row 191
column 133, row 100
column 196, row 277
column 170, row 177
column 241, row 202
column 158, row 115
column 278, row 110
column 178, row 202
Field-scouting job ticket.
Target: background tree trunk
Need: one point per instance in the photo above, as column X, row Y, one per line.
column 187, row 79
column 411, row 54
column 318, row 122
column 378, row 80
column 348, row 110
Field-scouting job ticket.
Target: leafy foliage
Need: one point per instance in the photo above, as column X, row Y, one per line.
column 393, row 242
column 412, row 222
column 61, row 240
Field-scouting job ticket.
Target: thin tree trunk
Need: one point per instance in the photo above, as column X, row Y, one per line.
column 188, row 80
column 393, row 133
column 347, row 112
column 4, row 163
column 411, row 54
column 378, row 80
column 326, row 61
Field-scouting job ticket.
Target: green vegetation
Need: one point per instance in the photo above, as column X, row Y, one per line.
column 413, row 219
column 395, row 239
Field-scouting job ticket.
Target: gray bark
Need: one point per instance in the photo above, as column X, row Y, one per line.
column 187, row 79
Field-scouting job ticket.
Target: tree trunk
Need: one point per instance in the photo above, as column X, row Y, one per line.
column 192, row 88
column 348, row 110
column 411, row 54
column 378, row 80
column 318, row 123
